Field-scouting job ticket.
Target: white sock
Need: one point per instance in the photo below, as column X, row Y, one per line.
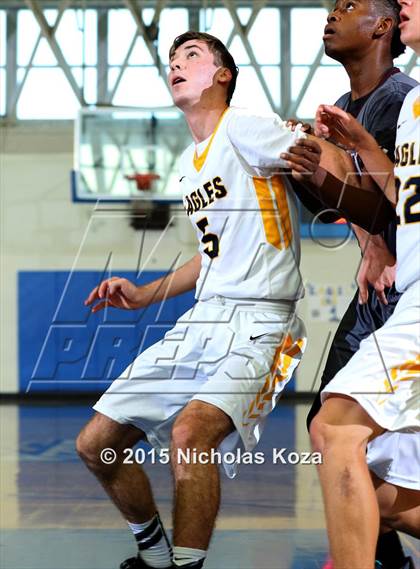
column 185, row 555
column 154, row 548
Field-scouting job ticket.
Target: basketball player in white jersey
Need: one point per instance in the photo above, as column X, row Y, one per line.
column 388, row 362
column 214, row 378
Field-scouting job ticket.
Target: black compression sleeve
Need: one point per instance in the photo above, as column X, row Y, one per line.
column 367, row 208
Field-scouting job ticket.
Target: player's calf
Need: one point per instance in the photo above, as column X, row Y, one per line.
column 340, row 432
column 100, row 445
column 200, row 428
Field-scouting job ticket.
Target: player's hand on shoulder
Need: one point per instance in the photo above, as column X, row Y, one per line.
column 304, row 127
column 303, row 159
column 342, row 128
column 116, row 292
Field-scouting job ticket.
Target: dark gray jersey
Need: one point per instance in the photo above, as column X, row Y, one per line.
column 378, row 112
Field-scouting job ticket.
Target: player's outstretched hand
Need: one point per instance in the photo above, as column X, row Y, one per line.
column 342, row 128
column 115, row 292
column 303, row 159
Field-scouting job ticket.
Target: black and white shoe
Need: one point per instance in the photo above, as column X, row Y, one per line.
column 132, row 563
column 137, row 563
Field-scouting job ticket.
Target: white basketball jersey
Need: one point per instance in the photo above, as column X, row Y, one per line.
column 407, row 174
column 245, row 214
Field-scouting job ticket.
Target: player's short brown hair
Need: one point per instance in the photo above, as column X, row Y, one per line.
column 221, row 54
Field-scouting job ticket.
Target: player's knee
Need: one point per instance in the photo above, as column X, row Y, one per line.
column 389, row 519
column 85, row 446
column 190, row 434
column 341, row 439
column 89, row 445
column 318, row 434
column 183, row 436
column 401, row 513
column 394, row 520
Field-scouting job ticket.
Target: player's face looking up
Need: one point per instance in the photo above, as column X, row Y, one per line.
column 193, row 72
column 410, row 23
column 351, row 28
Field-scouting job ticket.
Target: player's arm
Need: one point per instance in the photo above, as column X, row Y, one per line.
column 260, row 140
column 334, row 123
column 360, row 204
column 335, row 160
column 377, row 267
column 378, row 264
column 122, row 293
column 311, row 202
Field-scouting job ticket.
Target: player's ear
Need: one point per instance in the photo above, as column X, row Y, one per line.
column 224, row 75
column 384, row 26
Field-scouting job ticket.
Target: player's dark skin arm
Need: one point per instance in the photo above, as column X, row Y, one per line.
column 313, row 203
column 366, row 206
column 334, row 123
column 308, row 199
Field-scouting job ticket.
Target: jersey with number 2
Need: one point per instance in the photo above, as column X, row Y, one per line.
column 407, row 177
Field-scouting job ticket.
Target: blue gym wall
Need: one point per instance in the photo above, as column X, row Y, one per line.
column 64, row 347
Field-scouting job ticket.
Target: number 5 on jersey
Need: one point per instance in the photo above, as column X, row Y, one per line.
column 209, row 239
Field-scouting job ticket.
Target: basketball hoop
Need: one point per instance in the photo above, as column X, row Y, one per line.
column 145, row 212
column 144, row 182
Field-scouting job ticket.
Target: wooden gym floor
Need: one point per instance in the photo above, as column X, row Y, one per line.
column 54, row 515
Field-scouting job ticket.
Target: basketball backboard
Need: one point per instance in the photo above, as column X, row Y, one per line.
column 126, row 153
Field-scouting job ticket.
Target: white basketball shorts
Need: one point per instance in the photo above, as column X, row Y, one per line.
column 384, row 378
column 395, row 458
column 384, row 374
column 235, row 355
